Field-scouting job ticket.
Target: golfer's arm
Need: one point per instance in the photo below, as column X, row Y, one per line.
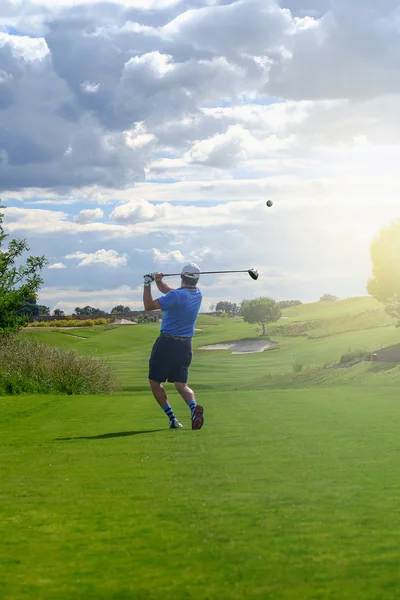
column 163, row 287
column 149, row 303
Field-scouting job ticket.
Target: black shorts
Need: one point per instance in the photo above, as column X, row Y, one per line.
column 170, row 359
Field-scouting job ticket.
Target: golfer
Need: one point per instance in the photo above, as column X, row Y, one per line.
column 172, row 352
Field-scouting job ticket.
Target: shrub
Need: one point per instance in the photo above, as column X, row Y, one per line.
column 349, row 356
column 297, row 366
column 30, row 366
column 70, row 323
column 296, row 329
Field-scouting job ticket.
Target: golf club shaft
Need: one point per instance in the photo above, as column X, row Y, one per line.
column 206, row 273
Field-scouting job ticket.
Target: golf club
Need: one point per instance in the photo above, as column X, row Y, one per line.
column 252, row 272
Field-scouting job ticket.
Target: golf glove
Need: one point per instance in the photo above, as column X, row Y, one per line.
column 148, row 279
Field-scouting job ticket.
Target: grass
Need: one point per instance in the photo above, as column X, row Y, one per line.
column 127, row 349
column 290, row 491
column 290, row 494
column 324, row 319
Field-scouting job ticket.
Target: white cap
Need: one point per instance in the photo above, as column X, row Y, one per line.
column 191, row 271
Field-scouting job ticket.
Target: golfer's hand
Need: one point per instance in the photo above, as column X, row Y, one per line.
column 158, row 277
column 148, row 279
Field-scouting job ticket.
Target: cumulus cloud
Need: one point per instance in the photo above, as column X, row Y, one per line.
column 145, row 5
column 133, row 211
column 164, row 257
column 102, row 89
column 58, row 265
column 109, row 258
column 30, row 49
column 265, row 20
column 228, row 149
column 89, row 215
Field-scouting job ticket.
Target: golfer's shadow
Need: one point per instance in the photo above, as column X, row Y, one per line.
column 105, row 436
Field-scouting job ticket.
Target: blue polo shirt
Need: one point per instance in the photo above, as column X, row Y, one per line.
column 180, row 308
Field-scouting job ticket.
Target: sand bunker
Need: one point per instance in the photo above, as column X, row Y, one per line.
column 123, row 322
column 243, row 346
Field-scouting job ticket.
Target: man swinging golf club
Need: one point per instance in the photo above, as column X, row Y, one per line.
column 172, row 352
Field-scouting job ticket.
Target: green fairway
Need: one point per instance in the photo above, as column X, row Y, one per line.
column 288, row 494
column 290, row 491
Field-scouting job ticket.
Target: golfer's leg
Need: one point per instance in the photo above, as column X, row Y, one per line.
column 160, row 395
column 184, row 359
column 197, row 411
column 186, row 393
column 158, row 392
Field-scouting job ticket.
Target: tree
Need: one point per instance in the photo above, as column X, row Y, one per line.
column 89, row 310
column 328, row 298
column 57, row 312
column 18, row 285
column 120, row 310
column 289, row 303
column 385, row 255
column 147, row 318
column 261, row 311
column 30, row 308
column 44, row 311
column 227, row 307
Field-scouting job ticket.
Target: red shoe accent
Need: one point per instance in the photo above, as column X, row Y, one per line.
column 198, row 418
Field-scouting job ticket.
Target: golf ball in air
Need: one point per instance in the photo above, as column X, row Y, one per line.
column 269, row 203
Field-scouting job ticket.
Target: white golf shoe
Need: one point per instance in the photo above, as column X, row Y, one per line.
column 174, row 424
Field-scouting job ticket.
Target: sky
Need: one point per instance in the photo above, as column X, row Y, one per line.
column 139, row 135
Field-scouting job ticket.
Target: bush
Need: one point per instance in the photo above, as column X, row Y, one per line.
column 32, row 367
column 296, row 329
column 349, row 356
column 297, row 366
column 70, row 323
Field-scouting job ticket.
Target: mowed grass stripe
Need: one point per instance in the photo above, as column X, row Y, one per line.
column 283, row 494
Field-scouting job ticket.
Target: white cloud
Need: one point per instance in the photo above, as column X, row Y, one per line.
column 144, row 5
column 90, row 88
column 89, row 215
column 164, row 257
column 138, row 137
column 58, row 265
column 133, row 211
column 31, row 49
column 236, row 146
column 109, row 258
column 250, row 27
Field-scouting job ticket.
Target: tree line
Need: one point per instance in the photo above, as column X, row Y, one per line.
column 32, row 309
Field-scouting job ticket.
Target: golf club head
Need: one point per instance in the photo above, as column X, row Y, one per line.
column 253, row 274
